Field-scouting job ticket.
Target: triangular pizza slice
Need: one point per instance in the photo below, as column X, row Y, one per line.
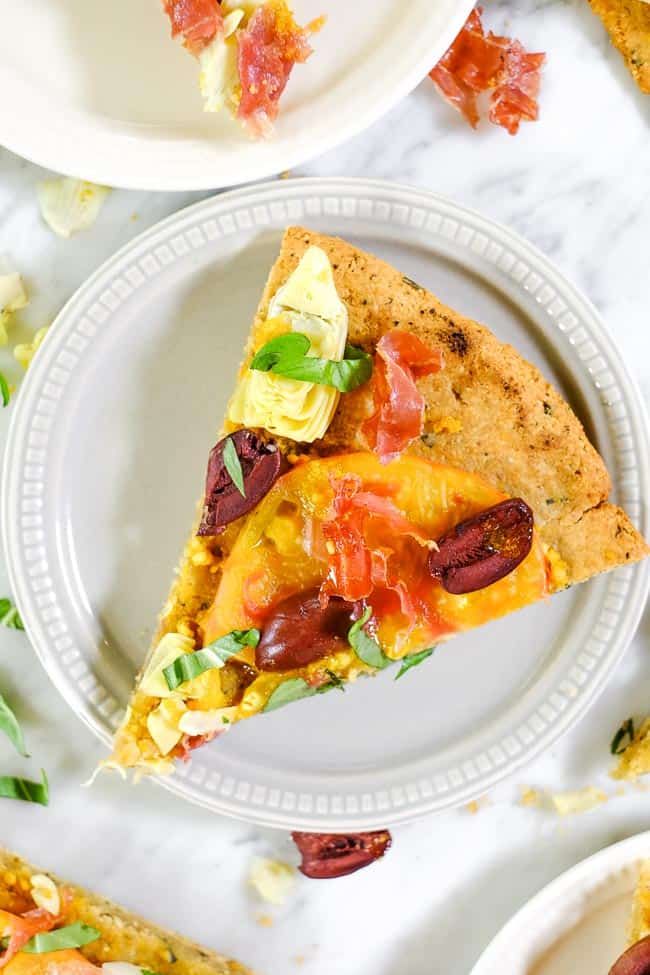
column 389, row 474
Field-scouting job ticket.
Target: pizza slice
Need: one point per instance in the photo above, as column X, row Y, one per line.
column 246, row 51
column 390, row 474
column 628, row 25
column 636, row 960
column 48, row 927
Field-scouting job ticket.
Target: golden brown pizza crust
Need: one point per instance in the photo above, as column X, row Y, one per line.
column 488, row 411
column 125, row 936
column 628, row 24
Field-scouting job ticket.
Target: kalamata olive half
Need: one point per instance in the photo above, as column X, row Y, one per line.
column 484, row 548
column 329, row 855
column 300, row 631
column 634, row 961
column 261, row 466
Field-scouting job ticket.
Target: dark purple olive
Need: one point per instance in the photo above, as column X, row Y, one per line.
column 329, row 855
column 300, row 631
column 634, row 961
column 261, row 465
column 485, row 548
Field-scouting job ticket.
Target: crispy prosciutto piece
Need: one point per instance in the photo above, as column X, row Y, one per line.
column 20, row 928
column 478, row 62
column 268, row 48
column 362, row 536
column 515, row 98
column 398, row 416
column 196, row 21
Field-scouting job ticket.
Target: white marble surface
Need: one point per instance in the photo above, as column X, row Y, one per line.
column 576, row 185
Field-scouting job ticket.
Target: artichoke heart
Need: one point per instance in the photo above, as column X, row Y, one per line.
column 302, row 411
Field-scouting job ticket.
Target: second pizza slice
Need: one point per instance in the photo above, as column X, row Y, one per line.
column 389, row 474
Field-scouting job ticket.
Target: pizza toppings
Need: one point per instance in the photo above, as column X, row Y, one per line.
column 483, row 549
column 241, row 471
column 362, row 535
column 478, row 62
column 329, row 855
column 634, row 961
column 269, row 46
column 197, row 22
column 302, row 630
column 398, row 416
column 16, row 931
column 284, row 391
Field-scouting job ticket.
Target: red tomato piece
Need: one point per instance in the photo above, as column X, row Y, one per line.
column 399, row 407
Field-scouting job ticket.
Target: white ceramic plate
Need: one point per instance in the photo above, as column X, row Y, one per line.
column 99, row 90
column 106, row 459
column 578, row 923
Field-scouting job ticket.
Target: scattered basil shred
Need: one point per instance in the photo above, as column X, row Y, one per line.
column 9, row 725
column 9, row 615
column 71, row 936
column 4, row 391
column 14, row 788
column 365, row 646
column 413, row 660
column 296, row 688
column 232, row 464
column 191, row 665
column 286, row 355
column 623, row 737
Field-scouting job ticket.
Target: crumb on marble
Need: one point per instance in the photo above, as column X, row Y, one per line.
column 530, row 796
column 577, row 800
column 476, row 805
column 264, row 920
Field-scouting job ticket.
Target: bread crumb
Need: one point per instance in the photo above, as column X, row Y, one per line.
column 577, row 801
column 264, row 920
column 476, row 805
column 273, row 880
column 530, row 797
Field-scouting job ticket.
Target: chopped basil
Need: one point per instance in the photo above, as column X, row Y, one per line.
column 286, row 355
column 71, row 936
column 9, row 724
column 411, row 283
column 232, row 464
column 296, row 688
column 13, row 788
column 413, row 660
column 623, row 737
column 366, row 647
column 290, row 690
column 191, row 665
column 9, row 615
column 4, row 390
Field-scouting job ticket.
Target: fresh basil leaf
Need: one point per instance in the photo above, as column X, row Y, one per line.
column 286, row 355
column 191, row 665
column 413, row 660
column 365, row 646
column 9, row 615
column 290, row 690
column 71, row 936
column 4, row 390
column 623, row 737
column 232, row 464
column 9, row 724
column 292, row 346
column 13, row 788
